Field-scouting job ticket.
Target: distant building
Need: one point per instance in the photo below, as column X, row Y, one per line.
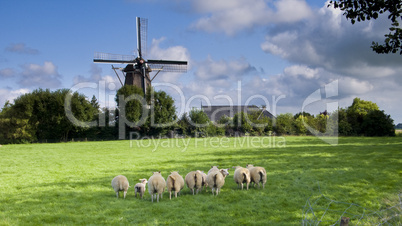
column 218, row 111
column 399, row 126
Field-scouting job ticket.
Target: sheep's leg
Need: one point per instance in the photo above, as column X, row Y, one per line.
column 157, row 197
column 212, row 191
column 117, row 194
column 170, row 194
column 152, row 197
column 175, row 194
column 125, row 192
column 192, row 190
column 247, row 185
column 241, row 186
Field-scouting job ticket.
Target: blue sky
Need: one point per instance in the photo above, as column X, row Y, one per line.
column 263, row 52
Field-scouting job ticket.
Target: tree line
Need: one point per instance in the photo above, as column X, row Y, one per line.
column 55, row 116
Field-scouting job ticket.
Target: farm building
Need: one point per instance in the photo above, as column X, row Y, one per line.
column 216, row 112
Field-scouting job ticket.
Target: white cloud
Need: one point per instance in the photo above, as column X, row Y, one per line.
column 179, row 53
column 215, row 70
column 231, row 17
column 354, row 87
column 291, row 10
column 10, row 95
column 45, row 76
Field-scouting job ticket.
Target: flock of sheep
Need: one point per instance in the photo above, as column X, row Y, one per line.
column 195, row 181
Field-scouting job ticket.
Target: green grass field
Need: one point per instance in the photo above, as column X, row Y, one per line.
column 69, row 183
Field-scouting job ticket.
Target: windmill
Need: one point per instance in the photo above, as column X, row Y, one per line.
column 137, row 70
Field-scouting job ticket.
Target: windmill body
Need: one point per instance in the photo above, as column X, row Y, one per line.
column 137, row 69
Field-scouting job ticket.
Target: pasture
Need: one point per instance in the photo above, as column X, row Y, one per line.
column 70, row 183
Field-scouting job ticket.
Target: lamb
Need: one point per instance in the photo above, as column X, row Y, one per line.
column 194, row 181
column 241, row 175
column 174, row 182
column 258, row 174
column 120, row 183
column 156, row 185
column 140, row 187
column 216, row 179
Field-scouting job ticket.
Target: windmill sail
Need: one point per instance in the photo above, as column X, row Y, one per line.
column 168, row 65
column 113, row 58
column 142, row 30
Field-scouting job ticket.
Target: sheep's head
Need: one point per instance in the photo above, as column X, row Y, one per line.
column 156, row 173
column 225, row 172
column 249, row 165
column 144, row 181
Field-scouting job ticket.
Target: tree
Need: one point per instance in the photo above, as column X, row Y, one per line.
column 241, row 122
column 344, row 127
column 41, row 115
column 199, row 121
column 163, row 114
column 285, row 124
column 357, row 111
column 377, row 123
column 362, row 10
column 184, row 124
column 132, row 97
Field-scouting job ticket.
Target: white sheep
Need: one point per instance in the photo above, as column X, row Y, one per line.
column 194, row 181
column 241, row 175
column 216, row 179
column 156, row 185
column 213, row 168
column 204, row 180
column 140, row 188
column 174, row 182
column 258, row 175
column 120, row 183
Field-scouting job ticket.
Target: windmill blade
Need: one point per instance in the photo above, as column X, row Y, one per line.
column 113, row 58
column 168, row 65
column 142, row 31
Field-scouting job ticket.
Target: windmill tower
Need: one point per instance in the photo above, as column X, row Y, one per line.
column 137, row 69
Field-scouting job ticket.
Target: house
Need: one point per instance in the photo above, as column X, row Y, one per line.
column 216, row 112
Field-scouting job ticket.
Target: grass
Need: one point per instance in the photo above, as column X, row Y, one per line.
column 69, row 183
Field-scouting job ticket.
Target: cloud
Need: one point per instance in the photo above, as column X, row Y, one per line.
column 231, row 17
column 10, row 95
column 179, row 53
column 34, row 75
column 7, row 73
column 215, row 70
column 328, row 40
column 21, row 48
column 95, row 75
